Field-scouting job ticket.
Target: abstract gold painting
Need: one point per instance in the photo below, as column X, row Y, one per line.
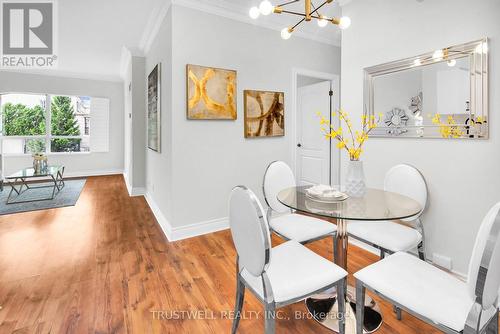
column 211, row 93
column 264, row 114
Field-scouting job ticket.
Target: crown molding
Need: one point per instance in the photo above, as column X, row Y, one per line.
column 126, row 58
column 224, row 9
column 153, row 26
column 67, row 74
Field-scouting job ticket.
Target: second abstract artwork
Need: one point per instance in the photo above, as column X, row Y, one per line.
column 264, row 114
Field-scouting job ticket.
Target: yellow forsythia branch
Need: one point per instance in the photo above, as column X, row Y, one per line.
column 352, row 145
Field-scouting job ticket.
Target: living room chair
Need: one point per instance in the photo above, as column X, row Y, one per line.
column 436, row 296
column 277, row 276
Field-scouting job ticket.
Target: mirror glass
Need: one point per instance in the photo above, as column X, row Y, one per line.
column 441, row 94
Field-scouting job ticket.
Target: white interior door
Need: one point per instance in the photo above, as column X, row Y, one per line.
column 313, row 150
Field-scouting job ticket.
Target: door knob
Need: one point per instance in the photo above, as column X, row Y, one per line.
column 299, row 145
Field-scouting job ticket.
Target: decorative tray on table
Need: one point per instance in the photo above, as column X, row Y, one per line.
column 325, row 194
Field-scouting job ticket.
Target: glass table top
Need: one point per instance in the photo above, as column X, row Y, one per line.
column 30, row 172
column 374, row 205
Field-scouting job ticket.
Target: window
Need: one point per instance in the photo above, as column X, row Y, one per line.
column 45, row 123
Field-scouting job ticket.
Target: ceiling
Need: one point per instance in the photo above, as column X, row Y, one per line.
column 92, row 33
column 329, row 34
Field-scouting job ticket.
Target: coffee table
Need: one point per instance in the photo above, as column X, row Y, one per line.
column 19, row 182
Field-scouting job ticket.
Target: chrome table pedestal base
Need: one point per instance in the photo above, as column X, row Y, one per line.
column 324, row 307
column 324, row 310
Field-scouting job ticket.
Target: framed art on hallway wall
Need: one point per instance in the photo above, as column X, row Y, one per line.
column 264, row 113
column 154, row 109
column 211, row 93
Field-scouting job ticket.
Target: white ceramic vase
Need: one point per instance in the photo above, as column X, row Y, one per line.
column 355, row 179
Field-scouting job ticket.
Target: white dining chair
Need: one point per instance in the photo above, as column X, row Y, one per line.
column 277, row 276
column 436, row 296
column 388, row 236
column 287, row 224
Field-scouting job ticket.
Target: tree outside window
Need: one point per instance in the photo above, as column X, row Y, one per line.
column 25, row 121
column 63, row 123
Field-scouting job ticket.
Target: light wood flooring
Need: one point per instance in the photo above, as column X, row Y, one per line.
column 104, row 266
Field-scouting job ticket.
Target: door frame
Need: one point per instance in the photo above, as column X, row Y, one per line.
column 335, row 84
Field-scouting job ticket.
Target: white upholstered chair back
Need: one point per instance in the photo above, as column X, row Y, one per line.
column 278, row 176
column 484, row 267
column 250, row 230
column 408, row 181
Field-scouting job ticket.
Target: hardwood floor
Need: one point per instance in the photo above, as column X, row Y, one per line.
column 104, row 266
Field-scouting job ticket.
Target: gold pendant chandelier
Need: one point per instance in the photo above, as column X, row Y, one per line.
column 310, row 12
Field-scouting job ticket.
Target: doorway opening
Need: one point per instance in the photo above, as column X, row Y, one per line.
column 316, row 159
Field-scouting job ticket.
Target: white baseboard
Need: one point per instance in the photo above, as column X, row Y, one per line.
column 94, row 173
column 197, row 229
column 160, row 218
column 137, row 191
column 127, row 184
column 187, row 231
column 133, row 191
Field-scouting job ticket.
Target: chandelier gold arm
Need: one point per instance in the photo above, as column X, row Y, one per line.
column 279, row 9
column 308, row 10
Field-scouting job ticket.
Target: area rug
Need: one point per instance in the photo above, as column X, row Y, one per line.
column 68, row 196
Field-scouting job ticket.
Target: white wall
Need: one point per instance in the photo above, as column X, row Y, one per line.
column 462, row 175
column 307, row 81
column 139, row 121
column 80, row 163
column 135, row 125
column 127, row 123
column 192, row 178
column 159, row 166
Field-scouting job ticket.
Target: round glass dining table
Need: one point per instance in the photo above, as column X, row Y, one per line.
column 375, row 205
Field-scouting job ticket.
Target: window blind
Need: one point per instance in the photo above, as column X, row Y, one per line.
column 99, row 125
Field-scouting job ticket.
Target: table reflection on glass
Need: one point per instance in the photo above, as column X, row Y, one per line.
column 375, row 205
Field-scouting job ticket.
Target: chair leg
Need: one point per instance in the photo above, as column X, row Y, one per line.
column 269, row 320
column 341, row 289
column 360, row 306
column 397, row 310
column 421, row 251
column 240, row 296
column 335, row 248
column 493, row 325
